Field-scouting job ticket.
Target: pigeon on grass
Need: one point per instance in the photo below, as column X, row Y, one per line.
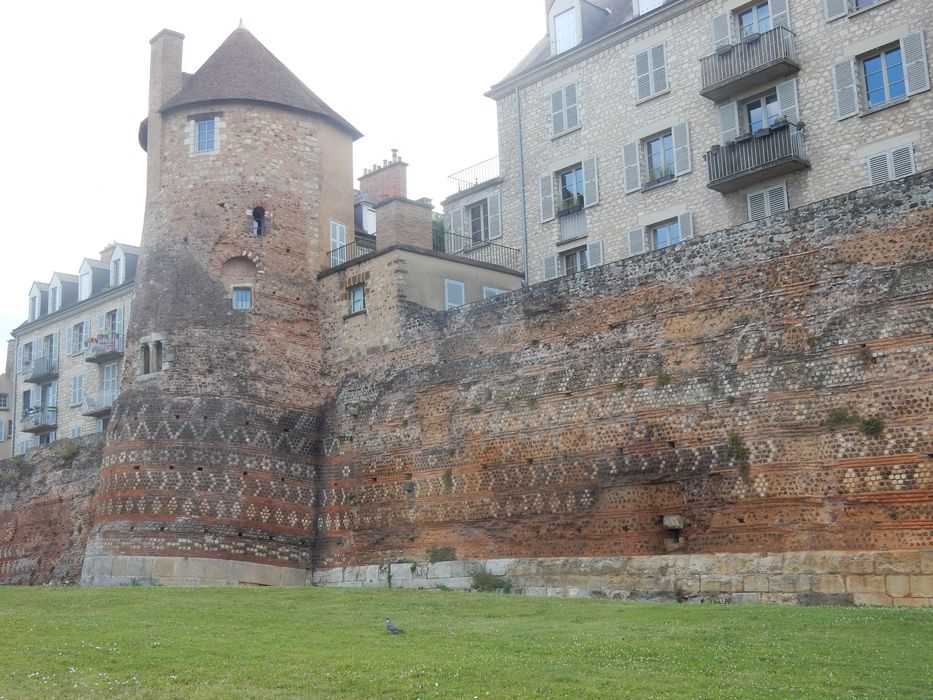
column 392, row 629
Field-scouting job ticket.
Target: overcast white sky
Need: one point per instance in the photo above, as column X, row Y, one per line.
column 409, row 74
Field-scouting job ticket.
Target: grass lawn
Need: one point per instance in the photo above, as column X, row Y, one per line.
column 331, row 643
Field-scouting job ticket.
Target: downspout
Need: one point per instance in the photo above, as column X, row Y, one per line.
column 521, row 183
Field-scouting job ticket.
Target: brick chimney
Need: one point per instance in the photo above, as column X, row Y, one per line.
column 165, row 80
column 386, row 181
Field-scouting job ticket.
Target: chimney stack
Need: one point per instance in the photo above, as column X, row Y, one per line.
column 386, row 181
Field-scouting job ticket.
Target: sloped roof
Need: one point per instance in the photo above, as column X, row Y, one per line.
column 243, row 69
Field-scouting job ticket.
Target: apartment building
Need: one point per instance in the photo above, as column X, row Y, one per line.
column 636, row 124
column 6, row 412
column 69, row 353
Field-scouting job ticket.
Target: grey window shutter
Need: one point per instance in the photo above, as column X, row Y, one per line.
column 547, row 197
column 572, row 116
column 780, row 13
column 550, row 267
column 631, row 167
column 683, row 163
column 729, row 121
column 787, row 99
column 590, row 182
column 722, row 30
column 757, row 206
column 55, row 338
column 916, row 71
column 777, row 199
column 594, row 254
column 658, row 69
column 456, row 221
column 642, row 76
column 685, row 221
column 495, row 226
column 19, row 358
column 835, row 9
column 69, row 340
column 902, row 161
column 846, row 89
column 86, row 335
column 636, row 241
column 878, row 170
column 119, row 328
column 557, row 111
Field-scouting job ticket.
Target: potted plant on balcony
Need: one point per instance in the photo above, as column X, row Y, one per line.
column 724, row 49
column 570, row 206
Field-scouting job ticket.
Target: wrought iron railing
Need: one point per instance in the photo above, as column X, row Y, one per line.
column 475, row 174
column 40, row 417
column 750, row 55
column 745, row 156
column 109, row 343
column 351, row 251
column 43, row 368
column 482, row 251
column 98, row 403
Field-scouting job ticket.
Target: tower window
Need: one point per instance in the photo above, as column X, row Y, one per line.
column 204, row 131
column 157, row 356
column 144, row 358
column 242, row 298
column 259, row 221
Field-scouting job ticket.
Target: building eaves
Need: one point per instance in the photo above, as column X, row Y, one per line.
column 66, row 311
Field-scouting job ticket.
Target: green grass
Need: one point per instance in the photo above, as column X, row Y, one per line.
column 329, row 643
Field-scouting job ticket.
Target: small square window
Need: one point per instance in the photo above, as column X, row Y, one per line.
column 660, row 155
column 242, row 298
column 883, row 73
column 357, row 299
column 4, row 401
column 204, row 132
column 664, row 234
column 574, row 261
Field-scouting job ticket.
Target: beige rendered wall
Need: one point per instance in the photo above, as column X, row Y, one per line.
column 335, row 150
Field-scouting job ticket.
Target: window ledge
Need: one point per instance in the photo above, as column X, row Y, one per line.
column 853, row 13
column 651, row 97
column 152, row 376
column 354, row 314
column 567, row 131
column 568, row 241
column 655, row 184
column 892, row 103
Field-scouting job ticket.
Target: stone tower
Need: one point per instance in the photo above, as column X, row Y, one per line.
column 208, row 473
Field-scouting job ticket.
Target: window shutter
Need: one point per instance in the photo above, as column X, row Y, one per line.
column 85, row 337
column 590, row 182
column 757, row 206
column 456, row 220
column 55, row 338
column 557, row 111
column 878, row 171
column 658, row 69
column 594, row 254
column 642, row 76
column 53, row 395
column 780, row 13
column 572, row 117
column 916, row 72
column 119, row 328
column 636, row 241
column 685, row 221
column 75, row 390
column 722, row 30
column 682, row 160
column 846, row 89
column 495, row 225
column 69, row 341
column 777, row 199
column 787, row 99
column 19, row 358
column 729, row 121
column 631, row 167
column 902, row 161
column 547, row 197
column 835, row 9
column 550, row 267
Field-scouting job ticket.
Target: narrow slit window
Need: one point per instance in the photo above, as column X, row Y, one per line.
column 157, row 356
column 259, row 221
column 144, row 358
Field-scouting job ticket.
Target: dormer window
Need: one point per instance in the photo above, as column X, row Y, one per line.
column 565, row 30
column 116, row 272
column 33, row 308
column 53, row 299
column 640, row 7
column 84, row 285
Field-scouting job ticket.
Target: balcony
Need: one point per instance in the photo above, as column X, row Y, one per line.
column 40, row 420
column 43, row 369
column 104, row 348
column 352, row 251
column 98, row 405
column 572, row 223
column 758, row 59
column 475, row 174
column 482, row 251
column 750, row 159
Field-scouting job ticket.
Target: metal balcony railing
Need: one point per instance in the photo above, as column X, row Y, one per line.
column 757, row 59
column 572, row 224
column 769, row 153
column 475, row 174
column 43, row 369
column 98, row 404
column 482, row 251
column 351, row 251
column 105, row 347
column 40, row 419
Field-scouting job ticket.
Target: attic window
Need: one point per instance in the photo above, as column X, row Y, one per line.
column 565, row 30
column 259, row 221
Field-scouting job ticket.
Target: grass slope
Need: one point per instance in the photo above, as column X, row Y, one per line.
column 327, row 643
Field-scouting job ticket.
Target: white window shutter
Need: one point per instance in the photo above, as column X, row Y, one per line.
column 787, row 100
column 780, row 13
column 69, row 340
column 55, row 338
column 636, row 241
column 846, row 89
column 777, row 199
column 550, row 267
column 722, row 30
column 456, row 220
column 916, row 71
column 495, row 224
column 547, row 197
column 119, row 328
column 590, row 182
column 557, row 111
column 878, row 170
column 835, row 9
column 642, row 76
column 658, row 69
column 85, row 337
column 683, row 163
column 685, row 222
column 902, row 161
column 757, row 205
column 19, row 358
column 594, row 254
column 572, row 116
column 631, row 168
column 729, row 122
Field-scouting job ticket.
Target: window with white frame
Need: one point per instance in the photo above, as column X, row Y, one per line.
column 54, row 298
column 776, row 108
column 76, row 338
column 116, row 272
column 357, row 299
column 640, row 7
column 754, row 20
column 565, row 30
column 892, row 164
column 578, row 185
column 3, row 435
column 338, row 242
column 568, row 262
column 565, row 113
column 570, row 183
column 478, row 218
column 242, row 298
column 26, row 356
column 767, row 202
column 77, row 390
column 475, row 222
column 109, row 384
column 750, row 20
column 834, row 9
column 75, row 431
column 369, row 219
column 882, row 77
column 666, row 232
column 657, row 158
column 204, row 135
column 651, row 73
column 4, row 402
column 573, row 261
column 454, row 294
column 84, row 285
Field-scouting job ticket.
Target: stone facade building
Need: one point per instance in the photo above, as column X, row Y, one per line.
column 637, row 124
